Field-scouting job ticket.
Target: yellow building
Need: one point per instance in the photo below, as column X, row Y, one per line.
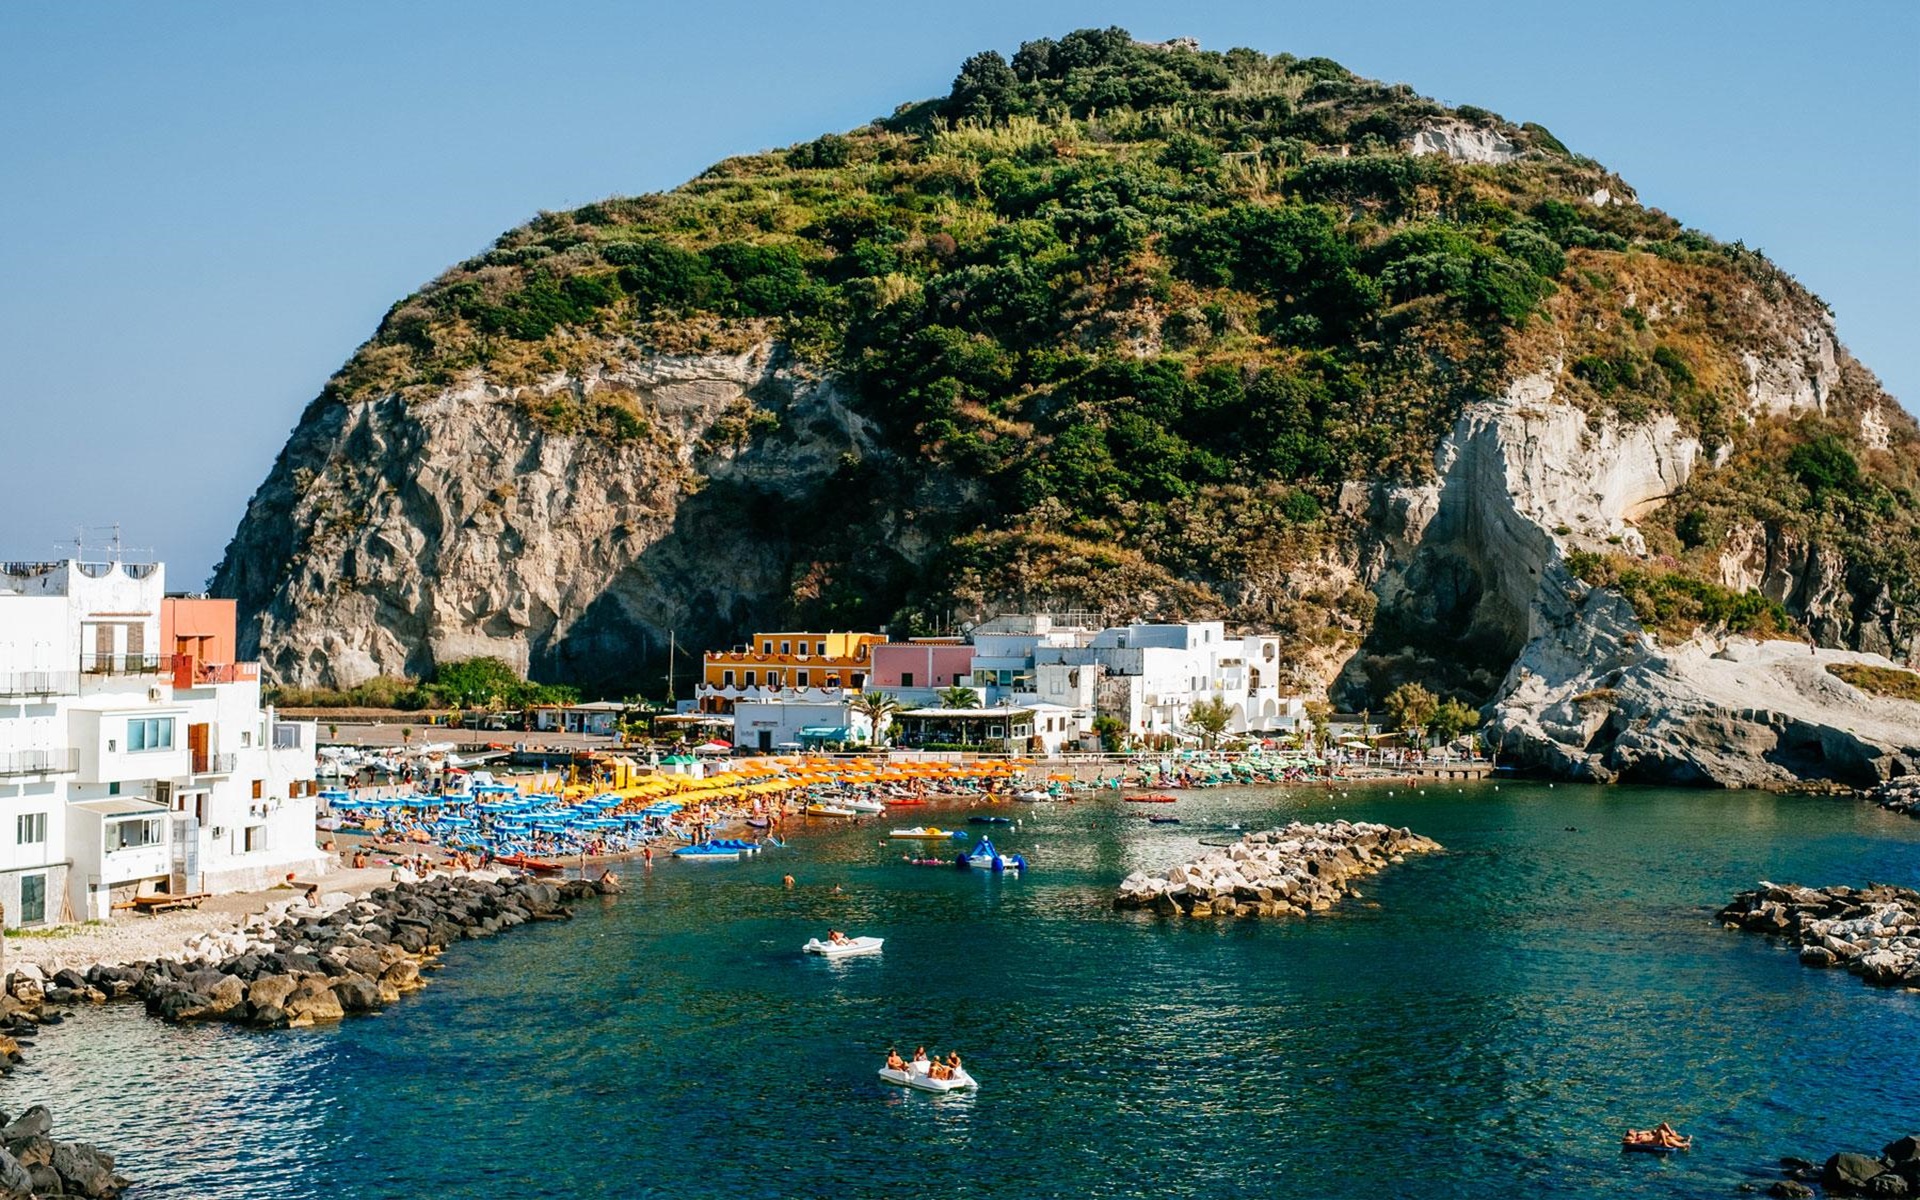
column 786, row 662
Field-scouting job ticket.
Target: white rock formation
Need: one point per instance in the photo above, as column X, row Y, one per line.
column 458, row 525
column 1464, row 143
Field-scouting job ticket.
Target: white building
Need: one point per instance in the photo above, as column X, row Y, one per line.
column 1148, row 676
column 786, row 724
column 133, row 749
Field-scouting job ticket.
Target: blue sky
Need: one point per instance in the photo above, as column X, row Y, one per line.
column 208, row 206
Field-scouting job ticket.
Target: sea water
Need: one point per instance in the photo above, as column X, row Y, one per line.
column 1482, row 1022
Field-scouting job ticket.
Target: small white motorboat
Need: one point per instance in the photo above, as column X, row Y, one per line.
column 846, row 949
column 1034, row 796
column 829, row 810
column 926, row 833
column 864, row 806
column 919, row 1077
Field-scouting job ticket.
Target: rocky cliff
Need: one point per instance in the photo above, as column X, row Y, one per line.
column 1419, row 387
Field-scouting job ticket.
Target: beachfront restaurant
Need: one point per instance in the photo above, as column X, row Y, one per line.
column 996, row 730
column 598, row 717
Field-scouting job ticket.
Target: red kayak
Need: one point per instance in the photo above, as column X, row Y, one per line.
column 529, row 864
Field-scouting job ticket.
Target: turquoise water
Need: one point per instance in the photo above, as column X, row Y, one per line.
column 1481, row 1023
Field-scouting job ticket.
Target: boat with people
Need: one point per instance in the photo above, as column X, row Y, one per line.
column 938, row 1075
column 926, row 833
column 983, row 857
column 839, row 945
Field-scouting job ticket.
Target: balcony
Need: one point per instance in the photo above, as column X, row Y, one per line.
column 39, row 683
column 213, row 764
column 39, row 762
column 124, row 664
column 190, row 672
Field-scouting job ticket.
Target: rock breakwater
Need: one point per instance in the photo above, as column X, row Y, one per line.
column 1873, row 932
column 33, row 1164
column 1895, row 1171
column 297, row 966
column 1899, row 795
column 1287, row 872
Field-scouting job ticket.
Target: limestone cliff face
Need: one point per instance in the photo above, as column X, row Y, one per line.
column 397, row 534
column 1478, row 573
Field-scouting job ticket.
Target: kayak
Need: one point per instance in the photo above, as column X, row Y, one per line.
column 989, row 820
column 529, row 864
column 925, row 833
column 850, row 948
column 1163, row 820
column 1153, row 798
column 917, row 1076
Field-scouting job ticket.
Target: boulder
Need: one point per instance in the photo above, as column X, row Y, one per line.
column 312, row 1002
column 1790, row 1188
column 1847, row 1174
column 86, row 1171
column 270, row 991
column 32, row 1152
column 35, row 1122
column 1887, row 1184
column 357, row 993
column 1902, row 1150
column 16, row 1183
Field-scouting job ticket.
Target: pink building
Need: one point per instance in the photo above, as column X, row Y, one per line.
column 926, row 664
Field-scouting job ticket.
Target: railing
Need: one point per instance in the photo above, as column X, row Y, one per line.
column 38, row 762
column 39, row 683
column 190, row 672
column 124, row 664
column 213, row 764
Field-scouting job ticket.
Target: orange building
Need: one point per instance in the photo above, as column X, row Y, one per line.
column 777, row 662
column 199, row 635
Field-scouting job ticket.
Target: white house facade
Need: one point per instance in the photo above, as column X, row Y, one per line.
column 129, row 757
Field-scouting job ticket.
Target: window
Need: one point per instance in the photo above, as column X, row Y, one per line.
column 752, row 678
column 906, row 679
column 150, row 733
column 800, row 678
column 787, row 647
column 256, row 789
column 821, row 650
column 726, row 679
column 254, row 838
column 766, row 647
column 30, row 829
column 773, row 679
column 33, row 899
column 141, row 831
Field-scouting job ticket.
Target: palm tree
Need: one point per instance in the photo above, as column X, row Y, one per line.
column 959, row 697
column 878, row 708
